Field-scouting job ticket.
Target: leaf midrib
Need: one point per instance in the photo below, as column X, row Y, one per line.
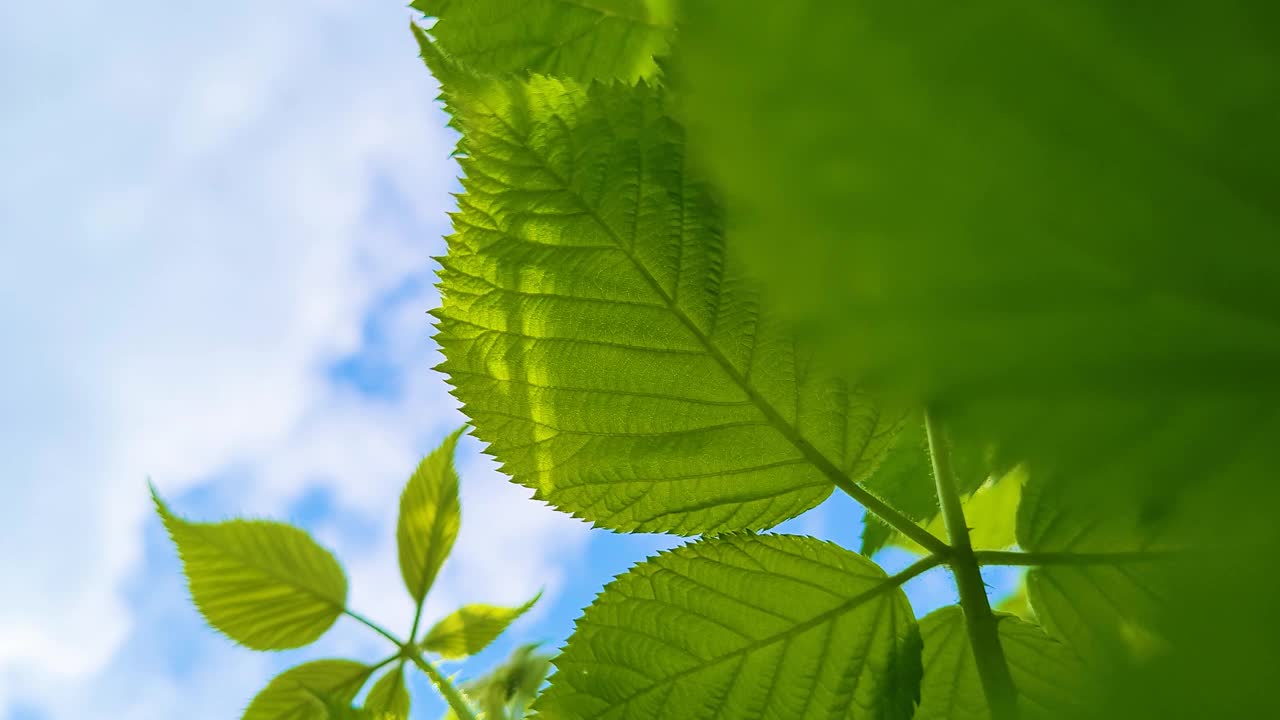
column 815, row 457
column 849, row 605
column 202, row 530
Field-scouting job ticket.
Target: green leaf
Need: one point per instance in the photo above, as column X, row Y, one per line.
column 905, row 481
column 1016, row 603
column 389, row 698
column 600, row 333
column 580, row 39
column 1058, row 222
column 1004, row 198
column 266, row 585
column 1051, row 680
column 429, row 518
column 989, row 512
column 1025, row 229
column 1108, row 612
column 742, row 626
column 509, row 689
column 309, row 691
column 471, row 628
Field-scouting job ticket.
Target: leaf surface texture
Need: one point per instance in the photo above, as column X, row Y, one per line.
column 303, row 692
column 580, row 39
column 471, row 628
column 1050, row 678
column 430, row 516
column 389, row 697
column 746, row 627
column 603, row 338
column 266, row 585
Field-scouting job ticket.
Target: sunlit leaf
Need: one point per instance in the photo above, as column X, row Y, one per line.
column 905, row 481
column 471, row 628
column 1050, row 679
column 266, row 585
column 429, row 518
column 389, row 698
column 581, row 39
column 597, row 327
column 309, row 691
column 742, row 626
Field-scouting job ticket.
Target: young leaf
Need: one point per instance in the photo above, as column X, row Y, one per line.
column 429, row 518
column 989, row 511
column 306, row 691
column 389, row 698
column 1051, row 680
column 510, row 688
column 905, row 480
column 741, row 626
column 596, row 40
column 598, row 329
column 1017, row 603
column 266, row 585
column 471, row 628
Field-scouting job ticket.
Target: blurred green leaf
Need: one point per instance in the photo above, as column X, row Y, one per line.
column 471, row 628
column 1050, row 678
column 742, row 626
column 1056, row 223
column 1000, row 198
column 1016, row 603
column 506, row 692
column 580, row 39
column 266, row 585
column 389, row 698
column 309, row 691
column 599, row 333
column 429, row 518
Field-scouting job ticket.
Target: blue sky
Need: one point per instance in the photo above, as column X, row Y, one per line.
column 216, row 225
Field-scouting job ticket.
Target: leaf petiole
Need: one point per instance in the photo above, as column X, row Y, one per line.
column 373, row 626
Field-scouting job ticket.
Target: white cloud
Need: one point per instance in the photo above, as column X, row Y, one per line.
column 190, row 232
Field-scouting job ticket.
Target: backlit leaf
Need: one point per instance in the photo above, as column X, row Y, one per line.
column 581, row 39
column 389, row 698
column 905, row 480
column 742, row 626
column 429, row 518
column 308, row 691
column 266, row 585
column 471, row 628
column 1050, row 679
column 597, row 327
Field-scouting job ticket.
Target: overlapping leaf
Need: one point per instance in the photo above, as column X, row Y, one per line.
column 742, row 626
column 389, row 698
column 580, row 39
column 471, row 628
column 1004, row 198
column 1050, row 678
column 989, row 512
column 267, row 585
column 429, row 518
column 307, row 691
column 509, row 689
column 1059, row 223
column 1107, row 611
column 1056, row 222
column 601, row 335
column 905, row 480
